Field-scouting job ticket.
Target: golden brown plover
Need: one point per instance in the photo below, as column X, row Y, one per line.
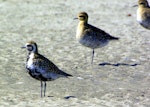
column 91, row 36
column 143, row 13
column 40, row 67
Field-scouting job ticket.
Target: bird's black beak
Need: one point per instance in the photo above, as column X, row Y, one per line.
column 23, row 47
column 135, row 5
column 75, row 18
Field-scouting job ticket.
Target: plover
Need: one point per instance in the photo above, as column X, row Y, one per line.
column 91, row 36
column 41, row 68
column 143, row 13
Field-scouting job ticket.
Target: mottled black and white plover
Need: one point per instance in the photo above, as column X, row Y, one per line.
column 91, row 36
column 40, row 67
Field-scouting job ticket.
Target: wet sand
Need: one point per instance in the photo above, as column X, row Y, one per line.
column 120, row 76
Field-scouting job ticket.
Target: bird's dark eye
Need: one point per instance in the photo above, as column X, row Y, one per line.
column 30, row 47
column 82, row 16
column 142, row 3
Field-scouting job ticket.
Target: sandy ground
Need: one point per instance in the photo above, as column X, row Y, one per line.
column 50, row 23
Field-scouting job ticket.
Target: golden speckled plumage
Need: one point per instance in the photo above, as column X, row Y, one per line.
column 40, row 61
column 91, row 36
column 143, row 13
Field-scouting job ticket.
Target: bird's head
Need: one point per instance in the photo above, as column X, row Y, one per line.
column 31, row 46
column 82, row 16
column 143, row 3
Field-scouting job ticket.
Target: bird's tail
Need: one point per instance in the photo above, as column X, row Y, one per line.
column 65, row 74
column 113, row 38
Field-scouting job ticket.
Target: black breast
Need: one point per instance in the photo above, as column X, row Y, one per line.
column 37, row 75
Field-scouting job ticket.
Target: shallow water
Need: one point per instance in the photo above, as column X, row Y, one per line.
column 50, row 23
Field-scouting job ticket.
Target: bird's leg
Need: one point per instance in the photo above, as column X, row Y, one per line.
column 41, row 88
column 44, row 88
column 92, row 56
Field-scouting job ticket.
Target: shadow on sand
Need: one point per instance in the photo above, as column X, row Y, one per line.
column 117, row 64
column 68, row 97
